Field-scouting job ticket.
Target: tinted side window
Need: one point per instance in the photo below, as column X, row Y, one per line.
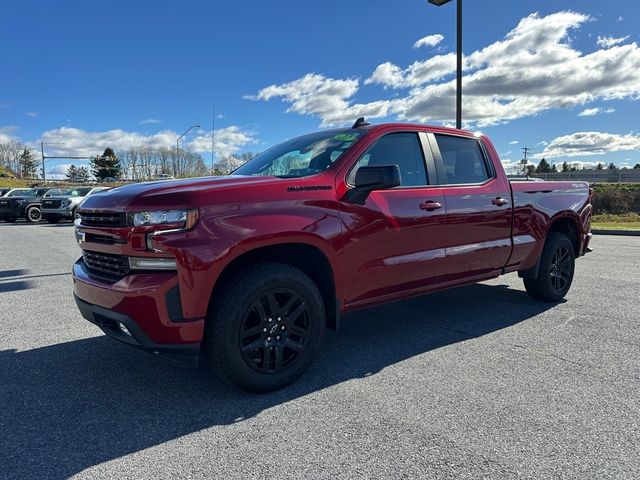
column 463, row 160
column 402, row 149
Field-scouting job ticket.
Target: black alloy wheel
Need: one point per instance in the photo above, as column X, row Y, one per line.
column 275, row 330
column 34, row 215
column 561, row 268
column 264, row 327
column 555, row 271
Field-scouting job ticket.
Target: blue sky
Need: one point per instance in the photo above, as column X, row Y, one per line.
column 565, row 81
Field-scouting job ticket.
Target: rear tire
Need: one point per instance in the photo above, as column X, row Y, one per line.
column 34, row 215
column 557, row 265
column 264, row 327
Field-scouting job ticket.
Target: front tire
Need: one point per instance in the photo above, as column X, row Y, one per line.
column 264, row 327
column 555, row 274
column 34, row 215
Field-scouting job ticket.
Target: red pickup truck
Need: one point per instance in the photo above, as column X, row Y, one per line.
column 244, row 272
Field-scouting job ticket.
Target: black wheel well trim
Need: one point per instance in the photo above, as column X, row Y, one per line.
column 564, row 225
column 567, row 226
column 306, row 257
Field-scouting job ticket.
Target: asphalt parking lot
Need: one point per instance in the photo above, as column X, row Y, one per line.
column 477, row 382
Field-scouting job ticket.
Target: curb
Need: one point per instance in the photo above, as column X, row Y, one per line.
column 629, row 233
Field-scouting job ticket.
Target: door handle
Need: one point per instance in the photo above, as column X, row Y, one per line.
column 430, row 205
column 499, row 201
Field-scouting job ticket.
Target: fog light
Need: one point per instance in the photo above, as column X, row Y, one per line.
column 143, row 263
column 124, row 330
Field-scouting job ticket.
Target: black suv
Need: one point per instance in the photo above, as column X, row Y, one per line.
column 26, row 205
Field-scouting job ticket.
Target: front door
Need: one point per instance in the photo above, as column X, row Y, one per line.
column 394, row 243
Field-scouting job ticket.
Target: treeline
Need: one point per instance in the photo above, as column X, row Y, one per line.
column 137, row 164
column 143, row 163
column 17, row 158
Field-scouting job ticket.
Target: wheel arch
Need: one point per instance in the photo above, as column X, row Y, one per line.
column 307, row 257
column 566, row 223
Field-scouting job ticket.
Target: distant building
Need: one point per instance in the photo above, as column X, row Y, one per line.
column 618, row 175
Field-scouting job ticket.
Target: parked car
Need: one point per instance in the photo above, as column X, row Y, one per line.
column 63, row 206
column 16, row 192
column 26, row 205
column 164, row 176
column 244, row 272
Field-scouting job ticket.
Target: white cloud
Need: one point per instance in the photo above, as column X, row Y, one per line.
column 79, row 143
column 589, row 112
column 514, row 142
column 7, row 134
column 429, row 41
column 418, row 73
column 533, row 69
column 325, row 97
column 590, row 143
column 32, row 114
column 227, row 141
column 149, row 121
column 608, row 42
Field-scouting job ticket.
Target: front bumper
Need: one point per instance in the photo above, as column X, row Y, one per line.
column 146, row 304
column 12, row 212
column 62, row 212
column 111, row 322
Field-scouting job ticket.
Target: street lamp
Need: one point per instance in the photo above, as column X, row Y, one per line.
column 178, row 140
column 42, row 144
column 439, row 3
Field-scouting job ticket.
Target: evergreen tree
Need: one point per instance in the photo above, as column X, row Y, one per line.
column 27, row 164
column 637, row 165
column 106, row 165
column 72, row 173
column 82, row 174
column 543, row 167
column 565, row 166
column 599, row 166
column 612, row 166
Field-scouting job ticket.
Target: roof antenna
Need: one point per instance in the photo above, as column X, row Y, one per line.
column 360, row 122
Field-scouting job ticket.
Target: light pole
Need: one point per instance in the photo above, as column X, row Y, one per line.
column 42, row 144
column 178, row 140
column 439, row 3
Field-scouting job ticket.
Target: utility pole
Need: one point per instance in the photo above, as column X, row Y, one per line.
column 524, row 161
column 213, row 137
column 440, row 3
column 44, row 175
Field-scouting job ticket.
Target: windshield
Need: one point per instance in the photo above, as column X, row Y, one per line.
column 16, row 193
column 301, row 156
column 79, row 192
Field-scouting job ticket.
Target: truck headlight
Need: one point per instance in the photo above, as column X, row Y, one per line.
column 179, row 219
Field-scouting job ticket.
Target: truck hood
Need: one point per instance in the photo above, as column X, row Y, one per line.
column 169, row 193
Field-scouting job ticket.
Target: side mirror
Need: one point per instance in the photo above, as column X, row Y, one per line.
column 368, row 179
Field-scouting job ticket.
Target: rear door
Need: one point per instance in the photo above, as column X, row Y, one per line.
column 478, row 207
column 393, row 242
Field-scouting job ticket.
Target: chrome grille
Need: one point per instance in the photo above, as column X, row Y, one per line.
column 104, row 219
column 114, row 265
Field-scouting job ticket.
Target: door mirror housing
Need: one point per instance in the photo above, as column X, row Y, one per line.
column 368, row 179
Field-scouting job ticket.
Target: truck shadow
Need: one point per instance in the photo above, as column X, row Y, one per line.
column 70, row 406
